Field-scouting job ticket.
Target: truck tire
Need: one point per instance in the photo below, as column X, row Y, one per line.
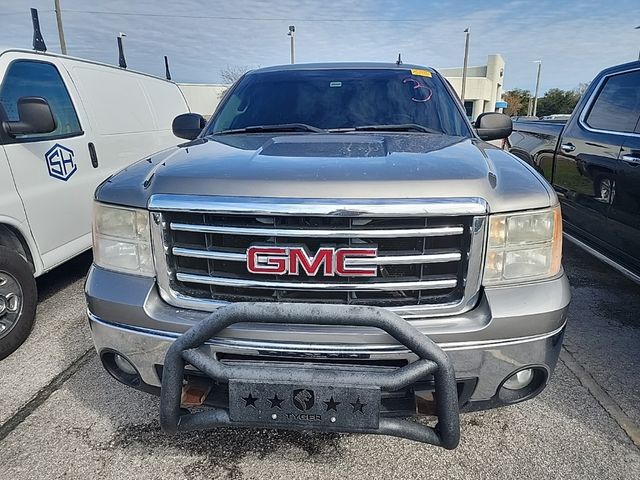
column 18, row 300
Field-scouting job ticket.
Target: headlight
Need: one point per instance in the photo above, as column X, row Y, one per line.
column 523, row 246
column 121, row 240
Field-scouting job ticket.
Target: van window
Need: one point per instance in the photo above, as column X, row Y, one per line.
column 26, row 78
column 617, row 106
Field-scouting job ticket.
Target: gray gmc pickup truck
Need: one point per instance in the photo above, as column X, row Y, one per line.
column 337, row 249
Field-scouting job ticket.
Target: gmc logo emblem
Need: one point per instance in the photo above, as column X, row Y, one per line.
column 294, row 260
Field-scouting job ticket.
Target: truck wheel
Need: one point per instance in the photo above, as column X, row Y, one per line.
column 18, row 299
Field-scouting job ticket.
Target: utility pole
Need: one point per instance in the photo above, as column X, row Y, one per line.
column 467, row 31
column 292, row 32
column 535, row 96
column 63, row 44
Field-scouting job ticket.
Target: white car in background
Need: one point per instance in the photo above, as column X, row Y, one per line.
column 66, row 124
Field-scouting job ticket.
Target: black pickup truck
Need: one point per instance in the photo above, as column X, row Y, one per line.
column 593, row 162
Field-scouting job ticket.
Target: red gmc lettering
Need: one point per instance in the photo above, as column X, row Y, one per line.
column 345, row 270
column 299, row 257
column 271, row 260
column 293, row 260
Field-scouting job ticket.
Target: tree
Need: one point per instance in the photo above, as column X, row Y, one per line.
column 518, row 100
column 556, row 101
column 230, row 74
column 581, row 88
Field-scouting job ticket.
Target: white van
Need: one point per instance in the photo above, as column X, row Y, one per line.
column 66, row 124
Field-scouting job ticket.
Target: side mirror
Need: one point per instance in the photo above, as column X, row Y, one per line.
column 188, row 125
column 493, row 126
column 35, row 117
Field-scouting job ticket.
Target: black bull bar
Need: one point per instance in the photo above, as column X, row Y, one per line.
column 188, row 348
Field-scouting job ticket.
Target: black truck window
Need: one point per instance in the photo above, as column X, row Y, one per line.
column 617, row 106
column 336, row 98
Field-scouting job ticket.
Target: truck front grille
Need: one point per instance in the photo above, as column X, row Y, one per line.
column 421, row 261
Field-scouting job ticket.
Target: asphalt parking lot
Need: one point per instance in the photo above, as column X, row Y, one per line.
column 61, row 415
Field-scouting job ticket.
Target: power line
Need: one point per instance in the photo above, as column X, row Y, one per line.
column 258, row 19
column 26, row 14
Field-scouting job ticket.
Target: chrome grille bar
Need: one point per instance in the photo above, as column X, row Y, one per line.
column 442, row 257
column 435, row 284
column 209, row 254
column 342, row 207
column 319, row 233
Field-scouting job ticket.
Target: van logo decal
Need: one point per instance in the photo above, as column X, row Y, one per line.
column 60, row 162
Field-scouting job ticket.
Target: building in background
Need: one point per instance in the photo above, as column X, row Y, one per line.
column 484, row 85
column 483, row 92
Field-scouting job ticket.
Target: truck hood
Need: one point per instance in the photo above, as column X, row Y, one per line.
column 345, row 165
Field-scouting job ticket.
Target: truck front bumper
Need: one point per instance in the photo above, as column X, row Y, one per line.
column 512, row 328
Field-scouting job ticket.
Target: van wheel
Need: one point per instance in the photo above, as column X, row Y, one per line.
column 18, row 299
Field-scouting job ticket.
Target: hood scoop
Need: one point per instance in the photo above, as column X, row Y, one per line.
column 326, row 146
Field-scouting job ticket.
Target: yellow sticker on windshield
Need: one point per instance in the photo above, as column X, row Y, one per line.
column 421, row 73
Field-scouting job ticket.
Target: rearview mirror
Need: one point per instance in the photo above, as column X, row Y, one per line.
column 188, row 125
column 493, row 126
column 34, row 115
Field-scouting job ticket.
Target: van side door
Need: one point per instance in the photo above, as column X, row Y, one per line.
column 586, row 163
column 53, row 173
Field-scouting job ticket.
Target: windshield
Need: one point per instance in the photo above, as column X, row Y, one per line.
column 342, row 99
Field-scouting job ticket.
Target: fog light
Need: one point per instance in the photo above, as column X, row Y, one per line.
column 519, row 379
column 124, row 365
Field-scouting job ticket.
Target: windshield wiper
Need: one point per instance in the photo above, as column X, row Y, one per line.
column 403, row 127
column 284, row 127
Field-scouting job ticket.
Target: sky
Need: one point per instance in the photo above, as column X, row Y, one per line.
column 574, row 38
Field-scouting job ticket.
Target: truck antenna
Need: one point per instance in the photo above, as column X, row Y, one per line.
column 121, row 60
column 38, row 41
column 399, row 61
column 167, row 73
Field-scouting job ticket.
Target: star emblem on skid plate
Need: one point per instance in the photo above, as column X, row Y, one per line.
column 250, row 400
column 332, row 404
column 358, row 406
column 275, row 401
